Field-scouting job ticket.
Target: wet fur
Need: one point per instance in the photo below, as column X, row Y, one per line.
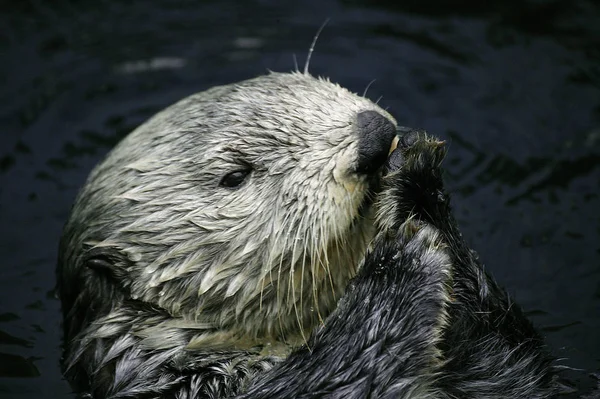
column 420, row 319
column 157, row 255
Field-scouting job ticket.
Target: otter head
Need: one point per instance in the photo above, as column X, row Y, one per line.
column 245, row 207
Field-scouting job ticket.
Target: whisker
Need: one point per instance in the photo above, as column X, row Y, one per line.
column 312, row 46
column 269, row 260
column 279, row 271
column 304, row 247
column 291, row 289
column 367, row 88
column 322, row 251
column 314, row 263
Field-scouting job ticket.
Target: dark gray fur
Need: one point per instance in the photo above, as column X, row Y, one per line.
column 420, row 319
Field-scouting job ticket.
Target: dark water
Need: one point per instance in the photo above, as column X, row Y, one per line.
column 513, row 85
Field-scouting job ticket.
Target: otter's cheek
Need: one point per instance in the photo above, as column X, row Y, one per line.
column 349, row 189
column 342, row 172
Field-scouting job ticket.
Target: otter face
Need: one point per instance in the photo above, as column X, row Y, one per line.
column 244, row 207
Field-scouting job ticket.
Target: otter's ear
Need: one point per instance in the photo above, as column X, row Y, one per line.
column 100, row 283
column 108, row 264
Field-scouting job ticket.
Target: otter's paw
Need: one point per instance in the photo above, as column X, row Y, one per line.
column 417, row 152
column 415, row 253
column 412, row 182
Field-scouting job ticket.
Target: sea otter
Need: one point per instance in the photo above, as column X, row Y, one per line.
column 258, row 240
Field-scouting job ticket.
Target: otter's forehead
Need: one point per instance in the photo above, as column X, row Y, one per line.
column 293, row 108
column 271, row 119
column 297, row 97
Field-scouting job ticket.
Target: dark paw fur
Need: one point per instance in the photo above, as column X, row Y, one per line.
column 412, row 183
column 416, row 150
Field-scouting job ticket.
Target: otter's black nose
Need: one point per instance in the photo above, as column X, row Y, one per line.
column 375, row 135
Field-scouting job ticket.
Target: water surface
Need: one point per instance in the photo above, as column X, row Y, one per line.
column 514, row 86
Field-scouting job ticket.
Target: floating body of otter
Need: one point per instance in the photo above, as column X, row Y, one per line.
column 229, row 248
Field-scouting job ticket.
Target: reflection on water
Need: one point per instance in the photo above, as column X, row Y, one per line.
column 512, row 85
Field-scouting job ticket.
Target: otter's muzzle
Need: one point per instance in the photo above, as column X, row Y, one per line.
column 375, row 135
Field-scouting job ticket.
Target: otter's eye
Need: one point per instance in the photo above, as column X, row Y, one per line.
column 234, row 179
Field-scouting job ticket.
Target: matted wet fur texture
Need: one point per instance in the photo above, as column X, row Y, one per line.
column 421, row 319
column 167, row 297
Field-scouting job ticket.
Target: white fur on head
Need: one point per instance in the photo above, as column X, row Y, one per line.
column 261, row 258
